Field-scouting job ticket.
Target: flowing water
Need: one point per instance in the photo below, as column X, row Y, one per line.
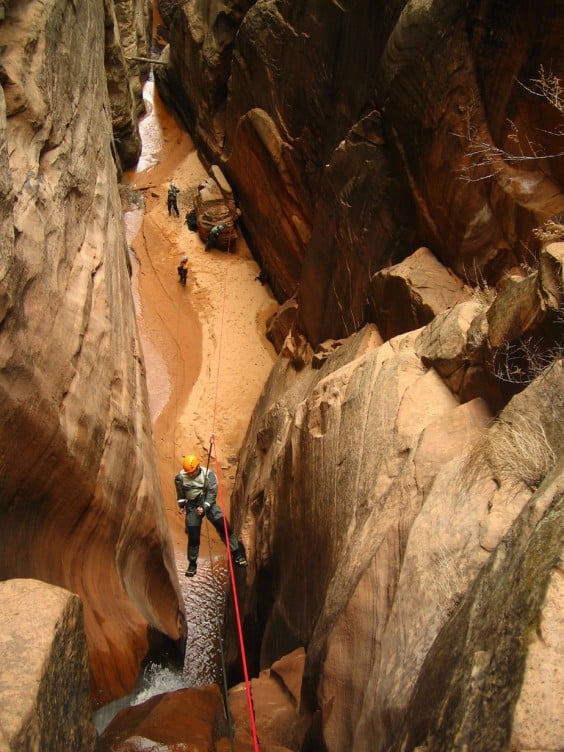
column 204, row 599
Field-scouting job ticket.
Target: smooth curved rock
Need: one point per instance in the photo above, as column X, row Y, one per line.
column 392, row 500
column 80, row 498
column 390, row 134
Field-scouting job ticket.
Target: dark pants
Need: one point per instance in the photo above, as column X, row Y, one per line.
column 172, row 206
column 193, row 527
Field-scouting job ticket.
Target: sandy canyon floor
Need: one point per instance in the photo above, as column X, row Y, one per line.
column 206, row 354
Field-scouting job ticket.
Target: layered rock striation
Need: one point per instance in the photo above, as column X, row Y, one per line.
column 355, row 133
column 410, row 541
column 399, row 491
column 80, row 498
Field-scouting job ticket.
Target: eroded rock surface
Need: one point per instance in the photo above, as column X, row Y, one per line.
column 44, row 669
column 80, row 498
column 407, row 517
column 354, row 134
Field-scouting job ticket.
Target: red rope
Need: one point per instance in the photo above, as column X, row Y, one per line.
column 225, row 528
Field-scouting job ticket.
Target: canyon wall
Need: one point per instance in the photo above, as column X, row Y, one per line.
column 80, row 499
column 353, row 133
column 399, row 534
column 399, row 492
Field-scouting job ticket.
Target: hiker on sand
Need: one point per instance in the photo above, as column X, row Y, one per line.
column 196, row 492
column 183, row 270
column 172, row 205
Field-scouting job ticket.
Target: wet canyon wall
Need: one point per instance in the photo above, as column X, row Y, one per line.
column 399, row 491
column 80, row 498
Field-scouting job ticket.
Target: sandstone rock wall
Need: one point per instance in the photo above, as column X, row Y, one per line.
column 399, row 491
column 355, row 133
column 80, row 499
column 128, row 25
column 396, row 532
column 44, row 670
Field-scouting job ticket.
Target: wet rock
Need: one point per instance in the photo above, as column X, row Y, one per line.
column 127, row 37
column 176, row 721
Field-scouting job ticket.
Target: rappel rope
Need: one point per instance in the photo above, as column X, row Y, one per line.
column 226, row 535
column 218, row 624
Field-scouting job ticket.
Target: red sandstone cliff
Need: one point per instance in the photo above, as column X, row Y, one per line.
column 393, row 529
column 382, row 154
column 350, row 135
column 80, row 499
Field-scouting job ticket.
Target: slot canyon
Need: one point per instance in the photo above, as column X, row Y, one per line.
column 372, row 363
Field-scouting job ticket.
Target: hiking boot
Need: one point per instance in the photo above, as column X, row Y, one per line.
column 240, row 560
column 191, row 571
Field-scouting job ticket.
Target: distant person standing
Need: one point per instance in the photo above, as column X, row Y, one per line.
column 196, row 492
column 172, row 204
column 183, row 270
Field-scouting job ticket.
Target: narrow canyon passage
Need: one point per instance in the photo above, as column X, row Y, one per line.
column 205, row 353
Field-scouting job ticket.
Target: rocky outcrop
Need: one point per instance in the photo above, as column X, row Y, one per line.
column 354, row 135
column 127, row 40
column 410, row 294
column 399, row 493
column 80, row 497
column 46, row 705
column 188, row 719
column 194, row 718
column 386, row 524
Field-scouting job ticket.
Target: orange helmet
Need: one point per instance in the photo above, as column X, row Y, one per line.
column 190, row 463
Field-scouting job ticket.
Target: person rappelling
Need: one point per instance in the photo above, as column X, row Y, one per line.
column 196, row 493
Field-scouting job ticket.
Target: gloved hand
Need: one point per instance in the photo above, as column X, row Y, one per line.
column 181, row 503
column 207, row 505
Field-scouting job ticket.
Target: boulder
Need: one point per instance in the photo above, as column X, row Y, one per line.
column 280, row 323
column 44, row 669
column 410, row 294
column 178, row 721
column 407, row 515
column 216, row 216
column 194, row 718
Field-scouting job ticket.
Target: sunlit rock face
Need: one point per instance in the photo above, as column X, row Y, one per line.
column 355, row 133
column 80, row 499
column 409, row 543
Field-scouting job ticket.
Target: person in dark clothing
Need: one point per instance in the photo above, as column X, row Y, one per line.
column 214, row 234
column 262, row 277
column 196, row 493
column 183, row 270
column 172, row 204
column 191, row 221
